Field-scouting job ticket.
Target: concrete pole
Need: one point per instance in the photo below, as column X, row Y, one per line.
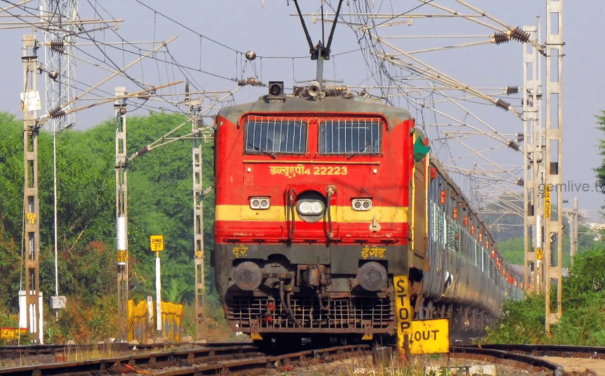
column 121, row 212
column 198, row 213
column 553, row 221
column 30, row 102
column 533, row 165
column 573, row 228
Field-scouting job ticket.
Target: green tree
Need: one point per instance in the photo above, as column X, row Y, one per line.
column 583, row 320
column 160, row 202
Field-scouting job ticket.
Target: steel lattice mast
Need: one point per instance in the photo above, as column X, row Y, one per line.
column 59, row 57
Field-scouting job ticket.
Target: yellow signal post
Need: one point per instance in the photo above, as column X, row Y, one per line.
column 404, row 315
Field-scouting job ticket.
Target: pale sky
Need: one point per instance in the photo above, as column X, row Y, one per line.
column 270, row 31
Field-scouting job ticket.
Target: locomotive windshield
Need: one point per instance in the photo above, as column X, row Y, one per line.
column 276, row 135
column 349, row 136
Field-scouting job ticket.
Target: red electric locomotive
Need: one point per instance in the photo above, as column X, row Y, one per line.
column 322, row 197
column 312, row 202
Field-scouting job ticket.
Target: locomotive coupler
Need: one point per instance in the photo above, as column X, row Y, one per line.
column 314, row 276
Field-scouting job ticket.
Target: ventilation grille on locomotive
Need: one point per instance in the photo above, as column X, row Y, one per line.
column 349, row 136
column 276, row 135
column 355, row 313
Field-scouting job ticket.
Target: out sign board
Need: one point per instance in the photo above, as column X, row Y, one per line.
column 157, row 243
column 430, row 337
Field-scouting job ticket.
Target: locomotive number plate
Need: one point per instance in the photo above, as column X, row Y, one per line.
column 404, row 311
column 300, row 170
column 330, row 171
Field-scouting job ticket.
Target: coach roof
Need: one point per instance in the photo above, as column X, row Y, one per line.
column 330, row 105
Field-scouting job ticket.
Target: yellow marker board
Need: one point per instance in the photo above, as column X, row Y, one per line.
column 403, row 310
column 430, row 337
column 547, row 190
column 157, row 243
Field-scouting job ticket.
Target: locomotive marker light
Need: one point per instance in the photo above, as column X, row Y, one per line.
column 372, row 276
column 260, row 203
column 247, row 276
column 362, row 204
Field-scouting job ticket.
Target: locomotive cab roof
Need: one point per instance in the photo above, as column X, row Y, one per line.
column 347, row 106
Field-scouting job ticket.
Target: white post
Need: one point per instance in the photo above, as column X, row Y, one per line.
column 158, row 294
column 22, row 310
column 55, row 208
column 41, row 319
column 150, row 310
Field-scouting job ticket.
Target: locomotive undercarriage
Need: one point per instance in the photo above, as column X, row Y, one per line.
column 309, row 289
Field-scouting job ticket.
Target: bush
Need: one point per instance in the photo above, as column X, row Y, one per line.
column 583, row 319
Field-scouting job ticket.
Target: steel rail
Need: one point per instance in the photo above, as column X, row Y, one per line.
column 182, row 362
column 10, row 352
column 302, row 358
column 186, row 356
column 564, row 351
column 501, row 354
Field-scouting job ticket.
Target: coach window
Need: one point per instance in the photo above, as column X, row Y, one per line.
column 268, row 135
column 350, row 136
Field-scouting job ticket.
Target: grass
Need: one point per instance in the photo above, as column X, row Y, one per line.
column 365, row 366
column 77, row 354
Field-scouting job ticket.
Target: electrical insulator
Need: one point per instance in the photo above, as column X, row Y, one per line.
column 250, row 55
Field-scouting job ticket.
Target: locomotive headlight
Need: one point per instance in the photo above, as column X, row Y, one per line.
column 260, row 203
column 309, row 207
column 361, row 204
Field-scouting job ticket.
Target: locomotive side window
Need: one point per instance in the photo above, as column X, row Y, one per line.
column 349, row 136
column 276, row 135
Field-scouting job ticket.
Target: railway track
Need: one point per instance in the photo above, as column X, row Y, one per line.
column 233, row 357
column 50, row 349
column 503, row 355
column 197, row 361
column 8, row 352
column 563, row 351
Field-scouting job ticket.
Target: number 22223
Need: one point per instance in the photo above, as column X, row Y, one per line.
column 330, row 171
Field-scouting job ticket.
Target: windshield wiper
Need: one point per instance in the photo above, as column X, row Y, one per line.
column 256, row 148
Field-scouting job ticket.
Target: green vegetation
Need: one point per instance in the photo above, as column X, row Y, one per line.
column 160, row 202
column 583, row 320
column 512, row 249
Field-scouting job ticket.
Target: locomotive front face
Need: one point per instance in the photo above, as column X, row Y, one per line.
column 311, row 214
